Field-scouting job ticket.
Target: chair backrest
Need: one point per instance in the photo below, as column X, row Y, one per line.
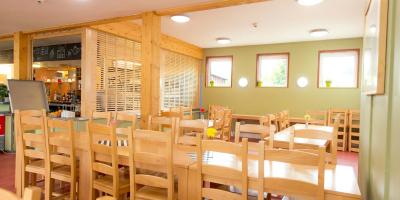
column 221, row 174
column 103, row 157
column 31, row 134
column 30, row 193
column 186, row 112
column 61, row 144
column 126, row 119
column 212, row 109
column 186, row 131
column 331, row 137
column 340, row 114
column 101, row 115
column 318, row 117
column 286, row 185
column 261, row 130
column 219, row 114
column 283, row 120
column 160, row 123
column 155, row 161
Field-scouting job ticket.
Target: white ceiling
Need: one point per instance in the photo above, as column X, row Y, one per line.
column 26, row 15
column 278, row 21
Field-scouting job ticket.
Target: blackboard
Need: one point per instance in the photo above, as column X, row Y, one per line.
column 57, row 52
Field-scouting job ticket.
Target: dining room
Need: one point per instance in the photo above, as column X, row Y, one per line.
column 199, row 99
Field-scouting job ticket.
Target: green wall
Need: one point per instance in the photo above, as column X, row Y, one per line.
column 380, row 125
column 303, row 62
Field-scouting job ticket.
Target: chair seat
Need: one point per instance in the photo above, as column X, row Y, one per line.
column 152, row 193
column 105, row 184
column 62, row 173
column 36, row 167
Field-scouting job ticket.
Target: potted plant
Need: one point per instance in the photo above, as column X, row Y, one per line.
column 211, row 83
column 328, row 83
column 4, row 93
column 259, row 83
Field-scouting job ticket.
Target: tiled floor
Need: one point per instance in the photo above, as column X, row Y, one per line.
column 7, row 167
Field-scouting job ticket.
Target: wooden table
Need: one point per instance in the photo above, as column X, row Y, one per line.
column 282, row 138
column 340, row 180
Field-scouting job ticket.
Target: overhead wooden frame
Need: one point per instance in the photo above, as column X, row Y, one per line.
column 205, row 6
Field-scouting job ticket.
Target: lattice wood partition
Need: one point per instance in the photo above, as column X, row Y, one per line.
column 343, row 124
column 179, row 80
column 354, row 130
column 118, row 74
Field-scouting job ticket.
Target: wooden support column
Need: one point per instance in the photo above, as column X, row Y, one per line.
column 151, row 34
column 22, row 60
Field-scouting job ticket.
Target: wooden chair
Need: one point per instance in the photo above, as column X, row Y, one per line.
column 212, row 109
column 354, row 131
column 160, row 123
column 186, row 112
column 318, row 117
column 342, row 115
column 227, row 125
column 126, row 120
column 290, row 187
column 154, row 185
column 283, row 120
column 223, row 175
column 218, row 121
column 179, row 112
column 30, row 193
column 269, row 121
column 61, row 154
column 101, row 116
column 31, row 140
column 261, row 131
column 104, row 175
column 317, row 134
column 186, row 131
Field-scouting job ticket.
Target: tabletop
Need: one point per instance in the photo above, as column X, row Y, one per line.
column 284, row 135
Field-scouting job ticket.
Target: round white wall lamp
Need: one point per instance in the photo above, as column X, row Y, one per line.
column 243, row 82
column 302, row 82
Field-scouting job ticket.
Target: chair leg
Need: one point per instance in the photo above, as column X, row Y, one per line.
column 33, row 179
column 72, row 189
column 49, row 182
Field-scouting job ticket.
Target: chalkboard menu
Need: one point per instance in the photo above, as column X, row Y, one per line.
column 57, row 52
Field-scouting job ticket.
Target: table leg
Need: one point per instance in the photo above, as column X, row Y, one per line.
column 18, row 167
column 193, row 184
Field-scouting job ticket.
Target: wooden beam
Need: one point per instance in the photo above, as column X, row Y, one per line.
column 182, row 47
column 6, row 37
column 87, row 24
column 127, row 29
column 205, row 6
column 57, row 33
column 150, row 91
column 21, row 56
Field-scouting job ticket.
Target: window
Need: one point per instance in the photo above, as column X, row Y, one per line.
column 219, row 71
column 272, row 70
column 179, row 80
column 338, row 69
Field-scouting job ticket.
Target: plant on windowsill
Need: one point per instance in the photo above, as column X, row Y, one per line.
column 259, row 83
column 328, row 83
column 4, row 93
column 211, row 83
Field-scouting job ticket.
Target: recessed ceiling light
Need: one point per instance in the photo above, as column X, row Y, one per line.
column 309, row 2
column 319, row 32
column 223, row 40
column 180, row 18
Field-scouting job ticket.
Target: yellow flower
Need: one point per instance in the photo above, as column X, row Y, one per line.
column 211, row 132
column 307, row 117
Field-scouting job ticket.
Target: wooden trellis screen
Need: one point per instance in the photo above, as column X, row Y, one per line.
column 118, row 74
column 179, row 80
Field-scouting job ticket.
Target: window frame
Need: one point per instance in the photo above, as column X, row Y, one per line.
column 273, row 54
column 207, row 66
column 337, row 51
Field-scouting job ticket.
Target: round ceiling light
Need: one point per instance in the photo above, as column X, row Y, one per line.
column 180, row 18
column 243, row 82
column 223, row 40
column 302, row 82
column 309, row 2
column 319, row 32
